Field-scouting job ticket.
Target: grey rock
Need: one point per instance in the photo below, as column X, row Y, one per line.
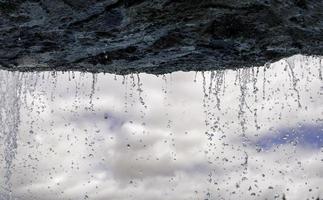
column 155, row 36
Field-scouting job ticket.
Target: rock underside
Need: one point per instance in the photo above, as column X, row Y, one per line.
column 155, row 36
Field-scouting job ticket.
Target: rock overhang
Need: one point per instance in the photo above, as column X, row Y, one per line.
column 159, row 36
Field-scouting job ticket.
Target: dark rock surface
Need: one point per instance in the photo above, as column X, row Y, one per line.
column 155, row 36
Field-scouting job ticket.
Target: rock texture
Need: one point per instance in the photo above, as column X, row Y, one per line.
column 155, row 36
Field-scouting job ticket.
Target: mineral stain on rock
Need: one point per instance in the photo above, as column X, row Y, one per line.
column 159, row 36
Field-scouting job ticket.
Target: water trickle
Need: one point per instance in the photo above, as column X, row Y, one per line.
column 321, row 70
column 54, row 84
column 204, row 90
column 205, row 97
column 125, row 83
column 195, row 76
column 206, row 105
column 141, row 99
column 9, row 121
column 94, row 81
column 132, row 100
column 211, row 113
column 219, row 80
column 255, row 73
column 264, row 81
column 295, row 80
column 167, row 103
column 164, row 88
column 245, row 164
column 76, row 96
column 139, row 89
column 244, row 78
column 212, row 75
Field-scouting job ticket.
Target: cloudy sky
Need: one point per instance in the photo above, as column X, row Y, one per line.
column 251, row 133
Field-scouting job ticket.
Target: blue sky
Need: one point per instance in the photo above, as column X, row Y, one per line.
column 309, row 136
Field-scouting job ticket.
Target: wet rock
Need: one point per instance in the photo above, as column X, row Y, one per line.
column 157, row 36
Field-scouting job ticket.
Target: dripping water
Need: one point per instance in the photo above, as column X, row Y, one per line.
column 204, row 96
column 9, row 121
column 244, row 77
column 166, row 91
column 125, row 83
column 139, row 89
column 219, row 77
column 212, row 75
column 94, row 81
column 295, row 80
column 54, row 84
column 255, row 91
column 195, row 76
column 264, row 82
column 321, row 70
column 140, row 97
